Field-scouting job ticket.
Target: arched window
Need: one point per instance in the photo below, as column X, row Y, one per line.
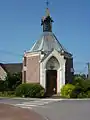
column 52, row 64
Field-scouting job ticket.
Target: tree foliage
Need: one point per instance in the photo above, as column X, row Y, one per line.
column 81, row 87
column 11, row 82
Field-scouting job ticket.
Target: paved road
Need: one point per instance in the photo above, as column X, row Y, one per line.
column 57, row 109
column 66, row 110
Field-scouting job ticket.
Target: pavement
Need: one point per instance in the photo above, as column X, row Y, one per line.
column 9, row 112
column 54, row 109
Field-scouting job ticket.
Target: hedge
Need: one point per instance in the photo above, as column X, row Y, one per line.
column 30, row 90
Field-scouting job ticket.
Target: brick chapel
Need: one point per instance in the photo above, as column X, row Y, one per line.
column 48, row 62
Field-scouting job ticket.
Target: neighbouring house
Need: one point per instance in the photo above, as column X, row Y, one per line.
column 48, row 62
column 9, row 68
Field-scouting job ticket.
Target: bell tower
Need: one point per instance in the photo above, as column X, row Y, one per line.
column 46, row 21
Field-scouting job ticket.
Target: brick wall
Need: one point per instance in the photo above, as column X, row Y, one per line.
column 32, row 69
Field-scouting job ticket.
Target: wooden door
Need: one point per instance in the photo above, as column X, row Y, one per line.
column 51, row 82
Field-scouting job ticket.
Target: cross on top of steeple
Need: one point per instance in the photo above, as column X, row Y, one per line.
column 47, row 9
column 47, row 20
column 47, row 3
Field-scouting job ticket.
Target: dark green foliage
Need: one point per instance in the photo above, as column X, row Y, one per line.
column 75, row 92
column 88, row 94
column 9, row 84
column 7, row 94
column 30, row 90
column 2, row 85
column 81, row 87
column 78, row 80
column 82, row 76
column 12, row 81
column 82, row 95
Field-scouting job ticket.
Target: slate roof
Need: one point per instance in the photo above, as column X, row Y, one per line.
column 47, row 42
column 12, row 67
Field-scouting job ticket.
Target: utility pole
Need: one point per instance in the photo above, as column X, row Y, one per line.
column 88, row 70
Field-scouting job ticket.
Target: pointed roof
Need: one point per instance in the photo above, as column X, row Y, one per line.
column 47, row 42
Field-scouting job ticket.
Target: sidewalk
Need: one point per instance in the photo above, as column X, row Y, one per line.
column 8, row 112
column 49, row 98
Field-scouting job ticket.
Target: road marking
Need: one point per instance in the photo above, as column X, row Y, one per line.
column 37, row 103
column 42, row 102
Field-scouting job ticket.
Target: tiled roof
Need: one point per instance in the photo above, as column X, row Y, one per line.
column 12, row 67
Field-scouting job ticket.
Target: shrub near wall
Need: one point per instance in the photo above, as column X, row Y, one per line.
column 30, row 90
column 66, row 90
column 82, row 89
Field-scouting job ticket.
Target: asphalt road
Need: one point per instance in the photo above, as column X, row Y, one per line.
column 60, row 110
column 66, row 110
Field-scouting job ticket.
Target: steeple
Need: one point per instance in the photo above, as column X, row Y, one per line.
column 48, row 41
column 46, row 21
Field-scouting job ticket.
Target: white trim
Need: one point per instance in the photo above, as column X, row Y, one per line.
column 42, row 76
column 60, row 71
column 29, row 54
column 58, row 81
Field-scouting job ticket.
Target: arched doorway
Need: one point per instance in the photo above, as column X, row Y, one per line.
column 51, row 76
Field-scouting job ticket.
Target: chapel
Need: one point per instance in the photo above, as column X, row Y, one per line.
column 48, row 63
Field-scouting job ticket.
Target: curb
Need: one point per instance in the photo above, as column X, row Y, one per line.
column 65, row 99
column 20, row 98
column 51, row 99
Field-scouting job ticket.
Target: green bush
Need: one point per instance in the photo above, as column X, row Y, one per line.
column 11, row 92
column 7, row 94
column 82, row 87
column 2, row 85
column 76, row 91
column 12, row 81
column 82, row 95
column 66, row 90
column 30, row 90
column 88, row 94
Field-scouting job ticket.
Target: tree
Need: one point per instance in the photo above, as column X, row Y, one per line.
column 12, row 81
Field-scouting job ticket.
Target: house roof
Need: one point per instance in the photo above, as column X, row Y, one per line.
column 12, row 67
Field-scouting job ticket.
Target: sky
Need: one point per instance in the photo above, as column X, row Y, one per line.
column 20, row 28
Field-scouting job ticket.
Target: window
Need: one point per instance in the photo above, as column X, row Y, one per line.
column 24, row 76
column 25, row 61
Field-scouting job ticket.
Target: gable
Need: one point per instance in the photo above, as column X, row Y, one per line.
column 57, row 55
